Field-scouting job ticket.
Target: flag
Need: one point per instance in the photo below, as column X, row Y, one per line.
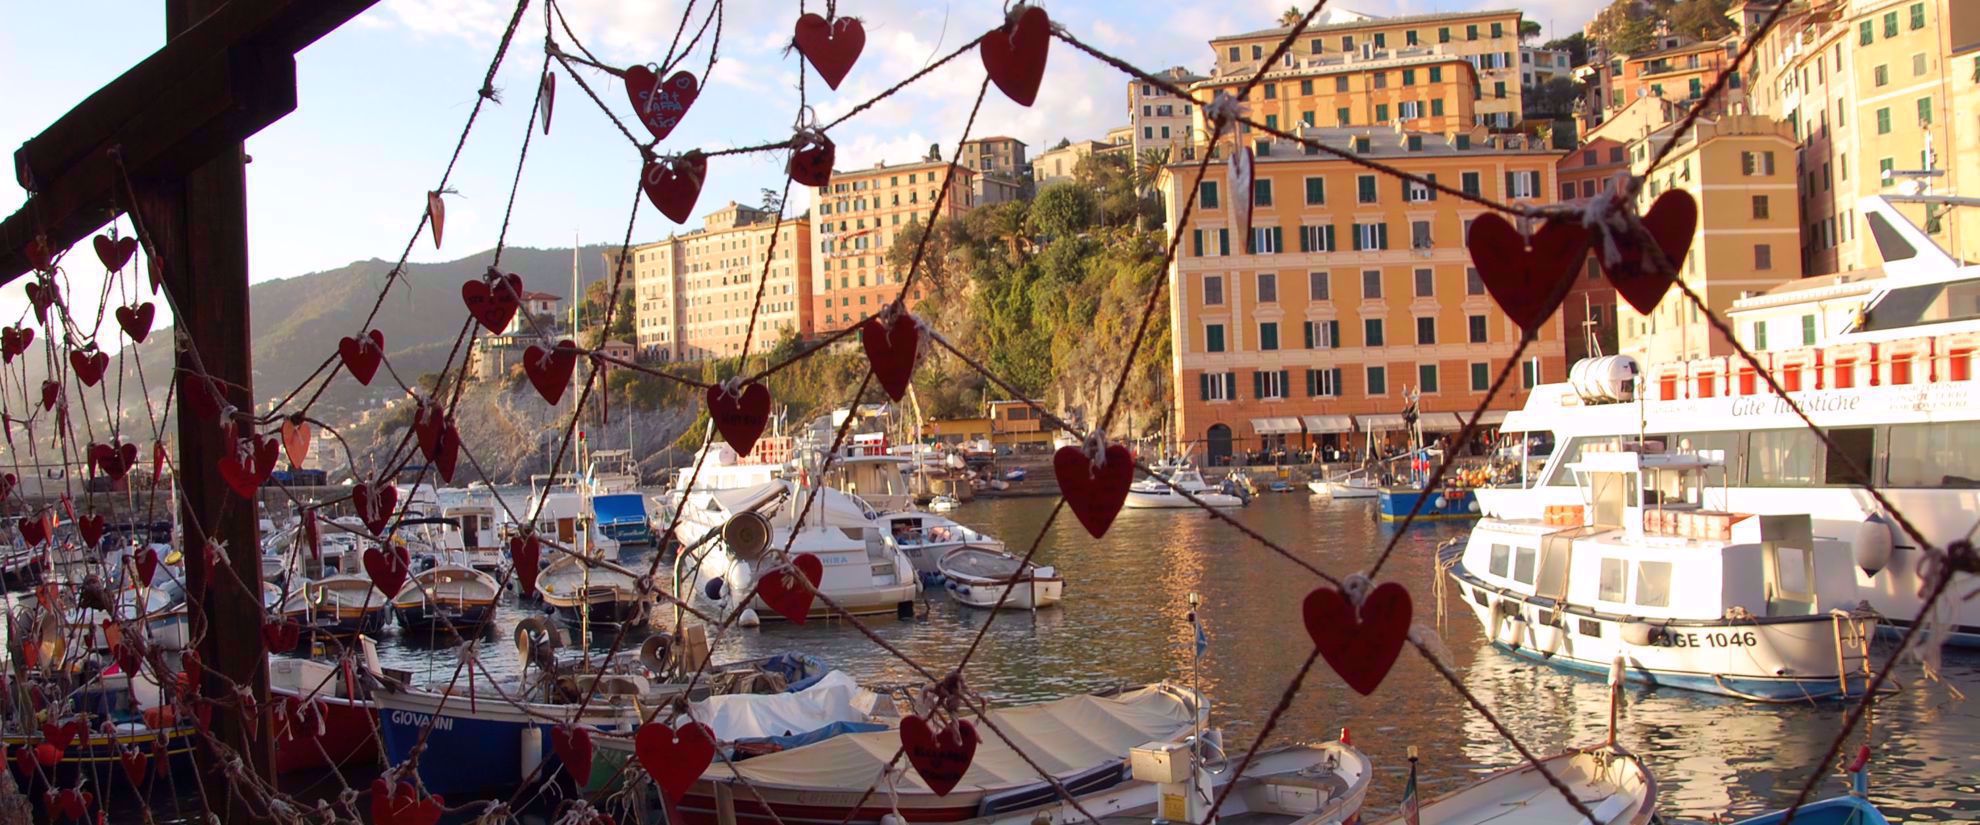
column 1410, row 811
column 1202, row 641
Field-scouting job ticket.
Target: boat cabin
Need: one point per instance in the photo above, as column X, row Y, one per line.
column 478, row 526
column 879, row 479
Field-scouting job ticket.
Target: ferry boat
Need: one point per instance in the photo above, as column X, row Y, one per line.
column 1750, row 606
column 1895, row 392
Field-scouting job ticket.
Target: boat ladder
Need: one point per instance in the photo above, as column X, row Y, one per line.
column 1854, row 630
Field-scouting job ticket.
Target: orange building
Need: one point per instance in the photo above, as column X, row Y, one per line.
column 856, row 218
column 1357, row 290
column 1589, row 313
column 1425, row 89
column 693, row 292
column 1680, row 74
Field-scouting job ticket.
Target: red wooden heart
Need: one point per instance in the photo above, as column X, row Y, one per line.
column 297, row 435
column 62, row 735
column 137, row 765
column 51, row 392
column 7, row 484
column 550, row 370
column 449, row 456
column 400, row 805
column 1527, row 283
column 88, row 367
column 812, row 164
column 388, row 569
column 115, row 459
column 155, row 272
column 281, row 637
column 831, row 46
column 1361, row 647
column 39, row 254
column 674, row 758
column 47, row 755
column 42, row 295
column 436, row 214
column 526, row 555
column 90, row 526
column 893, row 349
column 1671, row 222
column 740, row 418
column 374, row 503
column 115, row 253
column 362, row 355
column 157, row 460
column 549, row 98
column 250, row 464
column 25, row 763
column 941, row 758
column 198, row 394
column 1014, row 54
column 14, row 341
column 1095, row 495
column 573, row 746
column 781, row 591
column 136, row 320
column 674, row 185
column 129, row 651
column 145, row 560
column 70, row 803
column 660, row 106
column 34, row 530
column 493, row 300
column 427, row 422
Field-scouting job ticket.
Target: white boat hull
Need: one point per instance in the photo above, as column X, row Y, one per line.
column 1029, row 594
column 1170, row 499
column 1335, row 489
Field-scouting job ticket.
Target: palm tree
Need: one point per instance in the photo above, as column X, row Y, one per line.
column 1148, row 166
column 1290, row 17
column 1010, row 227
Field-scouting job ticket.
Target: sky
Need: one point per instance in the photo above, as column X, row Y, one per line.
column 382, row 102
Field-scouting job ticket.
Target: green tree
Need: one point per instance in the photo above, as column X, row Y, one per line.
column 1623, row 28
column 1063, row 210
column 1700, row 19
column 1528, row 29
column 1576, row 45
column 1290, row 17
column 1555, row 98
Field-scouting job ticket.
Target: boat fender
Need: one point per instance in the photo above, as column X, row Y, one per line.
column 1437, row 502
column 1872, row 546
column 1640, row 634
column 713, row 590
column 531, row 752
column 749, row 618
column 1518, row 624
column 1473, row 506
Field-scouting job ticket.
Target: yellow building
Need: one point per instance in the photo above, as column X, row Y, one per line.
column 1161, row 120
column 693, row 292
column 1357, row 290
column 1002, row 172
column 1741, row 170
column 856, row 219
column 1016, row 425
column 1422, row 89
column 1487, row 40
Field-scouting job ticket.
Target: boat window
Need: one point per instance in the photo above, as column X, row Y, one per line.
column 1790, row 586
column 1481, row 598
column 1612, row 580
column 1653, row 583
column 1589, row 627
column 1924, row 304
column 1934, row 455
column 1782, row 458
column 1851, row 457
column 1501, row 558
column 1566, row 454
column 1523, row 566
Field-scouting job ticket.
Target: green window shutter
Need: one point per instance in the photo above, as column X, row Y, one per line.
column 1203, row 383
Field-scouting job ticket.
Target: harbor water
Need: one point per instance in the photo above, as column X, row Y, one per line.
column 1124, row 620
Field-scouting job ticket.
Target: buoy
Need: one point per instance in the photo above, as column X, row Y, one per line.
column 1473, row 506
column 713, row 590
column 531, row 751
column 749, row 618
column 1438, row 502
column 1873, row 544
column 1639, row 634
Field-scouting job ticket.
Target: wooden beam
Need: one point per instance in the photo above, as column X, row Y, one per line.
column 230, row 75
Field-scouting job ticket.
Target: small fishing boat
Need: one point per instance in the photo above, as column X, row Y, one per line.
column 1841, row 810
column 622, row 517
column 478, row 527
column 339, row 605
column 1613, row 783
column 582, row 593
column 978, row 578
column 943, row 504
column 450, row 594
column 1280, row 487
column 1153, row 493
column 1443, row 504
column 1015, row 474
column 323, row 715
column 1351, row 484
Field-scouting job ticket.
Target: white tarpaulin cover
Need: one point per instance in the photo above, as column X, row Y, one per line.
column 1064, row 737
column 835, row 698
column 1316, row 424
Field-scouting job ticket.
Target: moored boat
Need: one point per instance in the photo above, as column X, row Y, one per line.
column 340, row 605
column 1613, row 783
column 323, row 717
column 979, row 578
column 581, row 593
column 1154, row 494
column 1352, row 484
column 448, row 595
column 1443, row 504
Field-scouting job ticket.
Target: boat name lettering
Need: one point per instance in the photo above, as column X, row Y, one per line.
column 1671, row 638
column 834, row 559
column 406, row 717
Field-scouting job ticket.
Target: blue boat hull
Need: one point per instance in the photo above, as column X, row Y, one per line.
column 1396, row 502
column 1842, row 810
column 467, row 755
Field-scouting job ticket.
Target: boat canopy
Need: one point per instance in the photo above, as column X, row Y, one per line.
column 619, row 508
column 1065, row 737
column 1275, row 426
column 1317, row 424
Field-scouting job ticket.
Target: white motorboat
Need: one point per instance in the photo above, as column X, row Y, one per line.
column 979, row 578
column 922, row 536
column 1352, row 484
column 1749, row 606
column 863, row 570
column 1614, row 784
column 1152, row 493
column 561, row 513
column 477, row 524
column 943, row 504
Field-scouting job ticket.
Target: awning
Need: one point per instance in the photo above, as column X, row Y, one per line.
column 1378, row 423
column 1317, row 424
column 1275, row 426
column 1439, row 422
column 1490, row 418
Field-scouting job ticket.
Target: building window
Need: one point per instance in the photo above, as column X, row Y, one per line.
column 1219, row 386
column 1213, row 338
column 1426, row 377
column 1268, row 336
column 1471, row 32
column 1371, row 284
column 1365, row 189
column 1378, row 381
column 1917, row 16
column 1419, row 235
column 1760, row 335
column 1261, row 192
column 1206, row 197
column 1756, row 163
column 1481, row 377
column 1808, row 330
column 1425, row 282
column 1341, row 115
column 1527, row 375
column 1269, row 384
column 1317, row 286
column 1925, row 111
column 1325, row 383
column 1884, row 120
column 1316, row 191
column 1426, row 330
column 1763, row 256
column 1523, row 184
column 1371, row 332
column 1469, row 181
column 1316, row 238
column 1213, row 290
column 1476, row 326
column 1271, row 91
column 1881, row 76
column 1268, row 288
column 1866, row 33
column 1371, row 236
column 1890, row 24
column 1267, row 240
column 1381, row 109
column 1760, row 211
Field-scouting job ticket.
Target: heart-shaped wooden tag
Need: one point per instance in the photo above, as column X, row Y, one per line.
column 62, row 734
column 1361, row 645
column 375, row 502
column 549, row 97
column 782, row 592
column 34, row 529
column 573, row 746
column 362, row 355
column 493, row 300
column 281, row 637
column 137, row 765
column 1014, row 54
column 136, row 320
column 831, row 46
column 526, row 554
column 297, row 435
column 660, row 106
column 14, row 341
column 436, row 215
column 401, row 805
column 893, row 350
column 811, row 164
column 674, row 758
column 447, row 450
column 51, row 392
column 388, row 569
column 250, row 464
column 42, row 295
column 1670, row 222
column 674, row 184
column 941, row 758
column 70, row 803
column 90, row 527
column 740, row 417
column 114, row 253
column 550, row 370
column 39, row 254
column 88, row 366
column 145, row 561
column 1528, row 283
column 115, row 459
column 1095, row 494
